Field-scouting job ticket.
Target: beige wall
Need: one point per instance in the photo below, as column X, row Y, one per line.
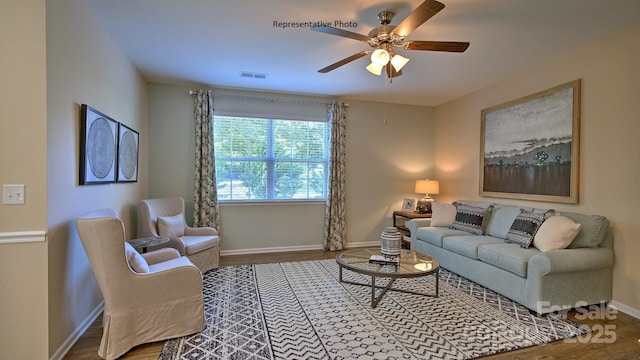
column 84, row 65
column 23, row 156
column 383, row 162
column 609, row 142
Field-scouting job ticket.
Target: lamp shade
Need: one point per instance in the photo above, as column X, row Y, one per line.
column 375, row 68
column 427, row 186
column 380, row 57
column 399, row 62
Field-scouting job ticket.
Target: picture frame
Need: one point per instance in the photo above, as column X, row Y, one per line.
column 128, row 150
column 98, row 147
column 408, row 204
column 529, row 147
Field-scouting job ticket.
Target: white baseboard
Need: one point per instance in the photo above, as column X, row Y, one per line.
column 270, row 250
column 77, row 334
column 293, row 248
column 625, row 309
column 363, row 244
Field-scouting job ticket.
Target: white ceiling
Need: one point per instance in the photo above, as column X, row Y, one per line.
column 210, row 42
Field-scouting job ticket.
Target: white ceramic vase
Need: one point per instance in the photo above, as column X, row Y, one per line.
column 391, row 242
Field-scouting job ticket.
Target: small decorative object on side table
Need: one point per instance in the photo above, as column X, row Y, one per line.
column 143, row 243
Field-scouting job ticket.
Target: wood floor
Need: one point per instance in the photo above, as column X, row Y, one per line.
column 616, row 336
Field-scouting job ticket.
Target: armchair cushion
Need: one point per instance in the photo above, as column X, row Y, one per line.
column 135, row 260
column 171, row 226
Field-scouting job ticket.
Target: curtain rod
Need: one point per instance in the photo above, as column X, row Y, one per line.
column 267, row 99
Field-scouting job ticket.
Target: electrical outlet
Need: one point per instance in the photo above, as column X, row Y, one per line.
column 13, row 194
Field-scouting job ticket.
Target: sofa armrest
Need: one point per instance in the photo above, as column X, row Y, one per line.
column 570, row 260
column 414, row 224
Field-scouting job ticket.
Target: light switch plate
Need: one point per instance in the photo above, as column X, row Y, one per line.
column 13, row 194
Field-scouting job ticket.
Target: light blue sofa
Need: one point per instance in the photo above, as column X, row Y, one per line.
column 542, row 281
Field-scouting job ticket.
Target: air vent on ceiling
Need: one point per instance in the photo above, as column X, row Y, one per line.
column 248, row 74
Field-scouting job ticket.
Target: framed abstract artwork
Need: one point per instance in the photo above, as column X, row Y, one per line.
column 128, row 144
column 529, row 147
column 98, row 147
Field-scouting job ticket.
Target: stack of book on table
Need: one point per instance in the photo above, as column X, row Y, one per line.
column 383, row 260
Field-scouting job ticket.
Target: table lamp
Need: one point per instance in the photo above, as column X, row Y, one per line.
column 426, row 187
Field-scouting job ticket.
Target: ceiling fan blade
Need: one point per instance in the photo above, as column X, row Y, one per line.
column 344, row 61
column 344, row 33
column 423, row 13
column 450, row 46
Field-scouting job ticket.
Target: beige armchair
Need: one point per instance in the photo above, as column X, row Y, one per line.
column 165, row 217
column 162, row 303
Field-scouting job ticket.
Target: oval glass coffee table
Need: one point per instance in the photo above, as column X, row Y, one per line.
column 411, row 264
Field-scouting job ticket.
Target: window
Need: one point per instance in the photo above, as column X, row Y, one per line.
column 269, row 159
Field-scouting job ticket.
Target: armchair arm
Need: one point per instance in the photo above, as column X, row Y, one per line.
column 161, row 255
column 174, row 242
column 199, row 231
column 570, row 260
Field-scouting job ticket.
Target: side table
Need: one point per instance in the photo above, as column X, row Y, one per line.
column 143, row 243
column 407, row 215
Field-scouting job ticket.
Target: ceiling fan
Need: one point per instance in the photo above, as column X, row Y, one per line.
column 386, row 37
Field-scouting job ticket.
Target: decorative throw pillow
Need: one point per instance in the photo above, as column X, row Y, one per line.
column 525, row 226
column 442, row 214
column 135, row 260
column 557, row 232
column 471, row 219
column 171, row 226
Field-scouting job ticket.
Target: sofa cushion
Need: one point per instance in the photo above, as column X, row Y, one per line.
column 525, row 226
column 468, row 245
column 557, row 232
column 434, row 235
column 442, row 214
column 510, row 257
column 593, row 229
column 472, row 219
column 501, row 219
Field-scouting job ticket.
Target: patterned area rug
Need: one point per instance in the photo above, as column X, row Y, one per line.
column 299, row 310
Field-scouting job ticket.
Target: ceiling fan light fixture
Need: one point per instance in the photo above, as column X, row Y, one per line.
column 375, row 69
column 398, row 62
column 380, row 57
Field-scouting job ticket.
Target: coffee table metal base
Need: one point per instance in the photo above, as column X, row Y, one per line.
column 376, row 299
